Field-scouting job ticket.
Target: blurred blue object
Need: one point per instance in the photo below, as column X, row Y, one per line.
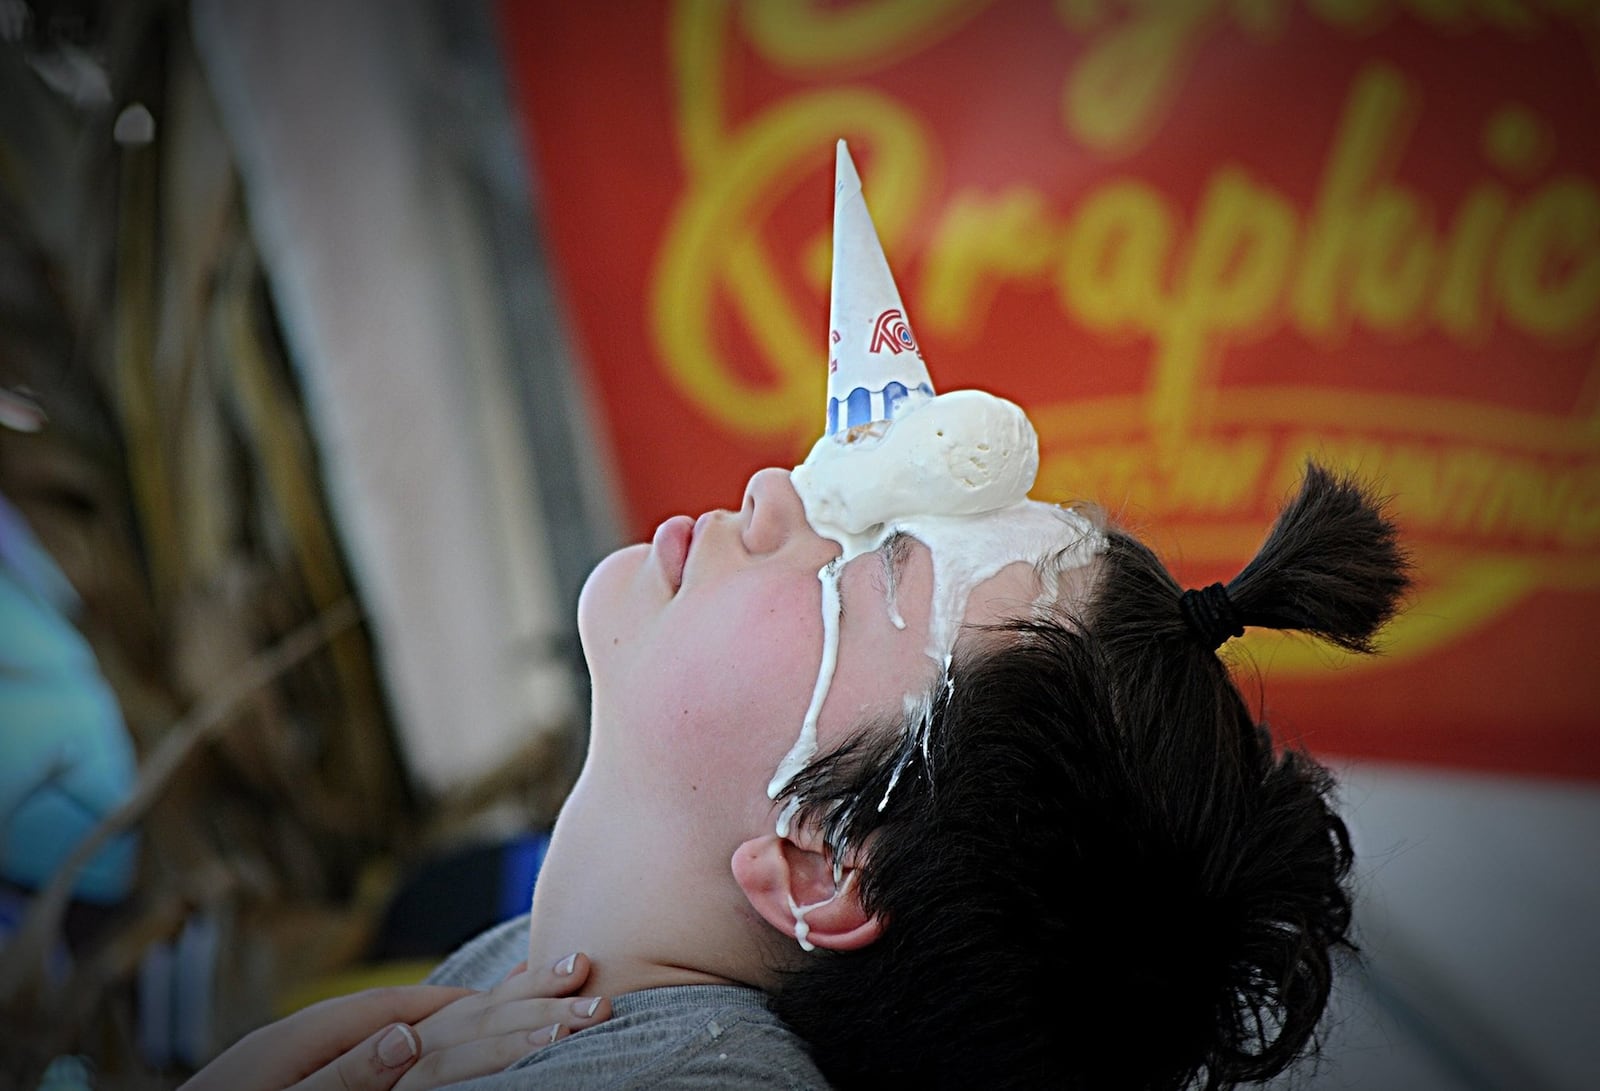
column 177, row 996
column 13, row 911
column 65, row 755
column 68, row 1073
column 450, row 898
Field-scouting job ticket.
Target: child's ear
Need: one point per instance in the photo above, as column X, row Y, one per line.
column 790, row 879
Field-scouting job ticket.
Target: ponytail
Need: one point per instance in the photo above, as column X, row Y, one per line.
column 1271, row 879
column 1331, row 566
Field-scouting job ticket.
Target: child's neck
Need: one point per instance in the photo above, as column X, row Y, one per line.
column 644, row 920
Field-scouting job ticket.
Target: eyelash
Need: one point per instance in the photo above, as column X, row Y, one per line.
column 892, row 554
column 896, row 548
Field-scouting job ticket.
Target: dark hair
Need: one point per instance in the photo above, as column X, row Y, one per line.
column 1099, row 872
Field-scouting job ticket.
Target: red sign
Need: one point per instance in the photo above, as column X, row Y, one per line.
column 1199, row 243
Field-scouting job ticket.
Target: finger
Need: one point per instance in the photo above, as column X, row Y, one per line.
column 472, row 1019
column 280, row 1053
column 342, row 1021
column 514, row 971
column 482, row 1057
column 574, row 1013
column 562, row 978
column 377, row 1064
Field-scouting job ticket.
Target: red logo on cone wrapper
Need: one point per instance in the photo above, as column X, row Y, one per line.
column 891, row 332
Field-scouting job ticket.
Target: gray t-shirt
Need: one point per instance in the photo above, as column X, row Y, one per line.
column 687, row 1036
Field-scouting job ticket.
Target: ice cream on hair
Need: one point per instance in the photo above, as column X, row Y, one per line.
column 951, row 470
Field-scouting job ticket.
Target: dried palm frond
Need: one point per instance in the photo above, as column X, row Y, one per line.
column 173, row 479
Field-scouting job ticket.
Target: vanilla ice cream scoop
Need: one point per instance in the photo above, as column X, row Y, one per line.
column 961, row 453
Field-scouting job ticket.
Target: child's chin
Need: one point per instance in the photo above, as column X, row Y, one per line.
column 609, row 603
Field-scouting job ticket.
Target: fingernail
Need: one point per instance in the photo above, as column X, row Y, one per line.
column 585, row 1009
column 567, row 965
column 544, row 1037
column 397, row 1047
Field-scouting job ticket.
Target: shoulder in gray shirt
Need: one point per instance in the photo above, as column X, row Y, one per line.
column 688, row 1037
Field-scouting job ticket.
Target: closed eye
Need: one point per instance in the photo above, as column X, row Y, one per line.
column 895, row 552
column 892, row 555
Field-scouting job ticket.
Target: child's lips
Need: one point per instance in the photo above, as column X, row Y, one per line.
column 671, row 544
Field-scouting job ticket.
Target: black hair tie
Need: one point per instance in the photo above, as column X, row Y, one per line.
column 1210, row 614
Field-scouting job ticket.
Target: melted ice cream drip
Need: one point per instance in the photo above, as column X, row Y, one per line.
column 805, row 747
column 786, row 816
column 918, row 715
column 891, row 595
column 802, row 930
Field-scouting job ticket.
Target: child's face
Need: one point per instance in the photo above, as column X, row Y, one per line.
column 703, row 663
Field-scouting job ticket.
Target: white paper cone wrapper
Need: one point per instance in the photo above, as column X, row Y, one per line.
column 875, row 369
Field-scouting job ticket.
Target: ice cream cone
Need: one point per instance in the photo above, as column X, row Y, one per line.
column 875, row 369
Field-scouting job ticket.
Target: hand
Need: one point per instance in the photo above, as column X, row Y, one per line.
column 486, row 1032
column 335, row 1045
column 366, row 1041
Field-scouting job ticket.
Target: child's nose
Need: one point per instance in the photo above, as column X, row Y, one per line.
column 772, row 511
